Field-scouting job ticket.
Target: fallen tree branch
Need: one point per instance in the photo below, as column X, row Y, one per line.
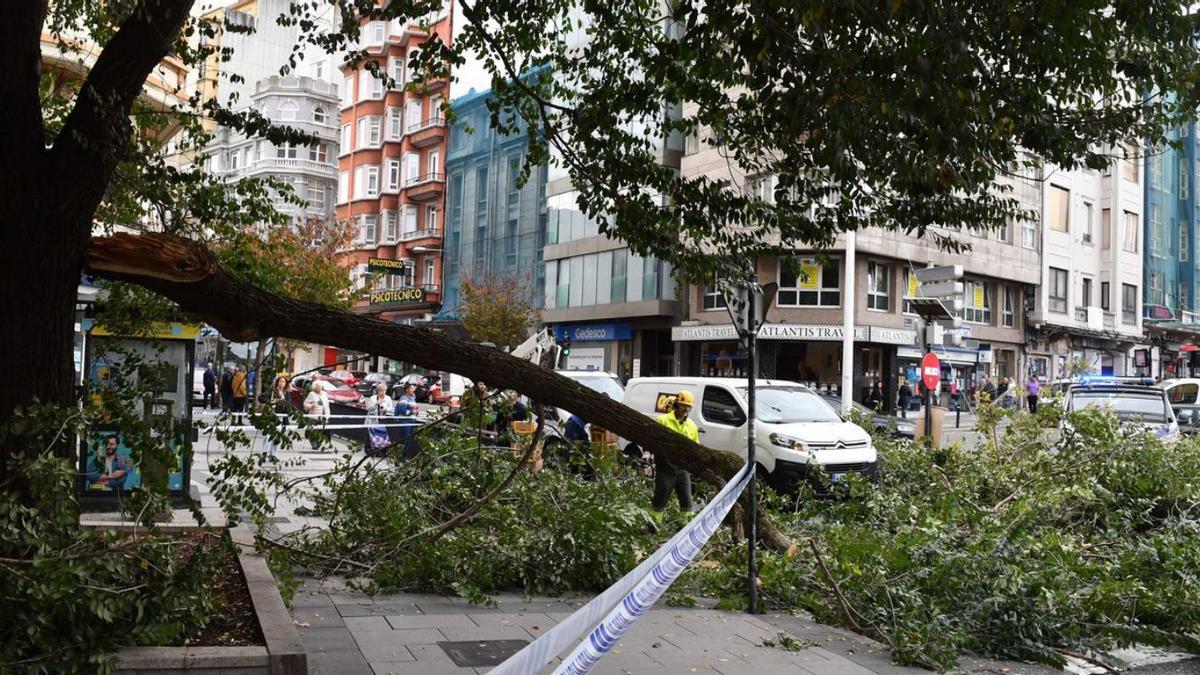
column 847, row 610
column 187, row 273
column 436, row 533
column 312, row 554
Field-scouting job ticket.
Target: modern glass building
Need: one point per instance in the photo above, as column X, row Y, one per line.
column 494, row 227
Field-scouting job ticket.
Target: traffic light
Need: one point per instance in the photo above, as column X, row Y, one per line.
column 566, row 348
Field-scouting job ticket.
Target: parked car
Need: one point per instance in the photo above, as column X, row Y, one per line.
column 347, row 377
column 198, row 386
column 426, row 386
column 366, row 386
column 897, row 426
column 1184, row 396
column 339, row 393
column 1132, row 400
column 797, row 432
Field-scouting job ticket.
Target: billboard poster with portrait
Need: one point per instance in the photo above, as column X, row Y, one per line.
column 111, row 462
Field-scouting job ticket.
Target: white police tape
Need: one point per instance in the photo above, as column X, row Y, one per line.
column 621, row 604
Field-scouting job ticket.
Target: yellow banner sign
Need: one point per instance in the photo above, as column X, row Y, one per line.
column 399, row 296
column 810, row 275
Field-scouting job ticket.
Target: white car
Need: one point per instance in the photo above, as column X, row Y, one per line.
column 795, row 432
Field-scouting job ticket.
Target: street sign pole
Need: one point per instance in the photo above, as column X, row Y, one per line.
column 748, row 311
column 928, row 397
column 752, row 517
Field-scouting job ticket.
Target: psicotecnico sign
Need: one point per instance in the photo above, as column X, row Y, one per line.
column 398, row 297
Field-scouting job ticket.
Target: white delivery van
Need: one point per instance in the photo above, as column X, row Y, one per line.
column 795, row 430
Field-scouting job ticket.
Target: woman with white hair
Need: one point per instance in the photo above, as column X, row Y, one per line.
column 378, row 405
column 317, row 401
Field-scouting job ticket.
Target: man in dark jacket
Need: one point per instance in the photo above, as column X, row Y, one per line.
column 227, row 389
column 906, row 394
column 210, row 385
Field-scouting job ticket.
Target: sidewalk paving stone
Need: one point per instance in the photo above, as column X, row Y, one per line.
column 362, row 624
column 485, row 634
column 333, row 639
column 432, row 621
column 317, row 617
column 338, row 663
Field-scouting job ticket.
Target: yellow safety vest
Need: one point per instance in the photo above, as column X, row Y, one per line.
column 687, row 427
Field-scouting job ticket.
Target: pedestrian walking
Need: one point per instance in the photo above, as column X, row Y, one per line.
column 240, row 390
column 667, row 477
column 276, row 403
column 906, row 394
column 875, row 396
column 987, row 390
column 378, row 405
column 210, row 385
column 1032, row 388
column 227, row 389
column 317, row 402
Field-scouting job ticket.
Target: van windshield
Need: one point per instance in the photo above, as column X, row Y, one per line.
column 789, row 405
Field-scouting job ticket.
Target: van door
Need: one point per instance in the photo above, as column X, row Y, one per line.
column 722, row 421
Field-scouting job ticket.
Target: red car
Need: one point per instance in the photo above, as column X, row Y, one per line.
column 347, row 377
column 338, row 391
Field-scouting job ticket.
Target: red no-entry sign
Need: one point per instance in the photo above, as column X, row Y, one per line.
column 931, row 371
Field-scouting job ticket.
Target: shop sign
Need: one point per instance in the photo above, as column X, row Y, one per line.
column 892, row 336
column 798, row 332
column 586, row 358
column 593, row 332
column 387, row 266
column 398, row 297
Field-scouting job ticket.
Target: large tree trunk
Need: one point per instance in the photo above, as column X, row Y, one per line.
column 184, row 271
column 51, row 195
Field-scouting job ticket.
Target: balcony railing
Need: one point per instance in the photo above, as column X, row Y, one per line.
column 1081, row 314
column 285, row 164
column 430, row 288
column 1110, row 321
column 427, row 124
column 427, row 178
column 420, row 234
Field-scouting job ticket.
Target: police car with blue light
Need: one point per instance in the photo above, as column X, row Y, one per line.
column 1134, row 400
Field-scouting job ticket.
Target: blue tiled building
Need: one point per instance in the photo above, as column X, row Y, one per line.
column 493, row 227
column 1171, row 318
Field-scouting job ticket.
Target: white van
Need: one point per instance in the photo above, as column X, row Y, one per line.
column 794, row 428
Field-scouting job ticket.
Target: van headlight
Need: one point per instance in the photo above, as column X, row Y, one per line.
column 788, row 442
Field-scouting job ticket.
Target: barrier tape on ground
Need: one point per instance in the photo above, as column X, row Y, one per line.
column 607, row 616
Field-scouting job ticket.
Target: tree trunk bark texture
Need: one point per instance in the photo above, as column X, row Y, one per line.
column 185, row 272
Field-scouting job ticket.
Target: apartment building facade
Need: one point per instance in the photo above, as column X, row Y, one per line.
column 257, row 54
column 804, row 329
column 495, row 228
column 391, row 171
column 304, row 103
column 1088, row 305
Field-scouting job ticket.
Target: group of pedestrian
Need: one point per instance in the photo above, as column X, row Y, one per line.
column 230, row 389
column 380, row 410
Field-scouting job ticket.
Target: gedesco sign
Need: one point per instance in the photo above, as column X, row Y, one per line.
column 593, row 332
